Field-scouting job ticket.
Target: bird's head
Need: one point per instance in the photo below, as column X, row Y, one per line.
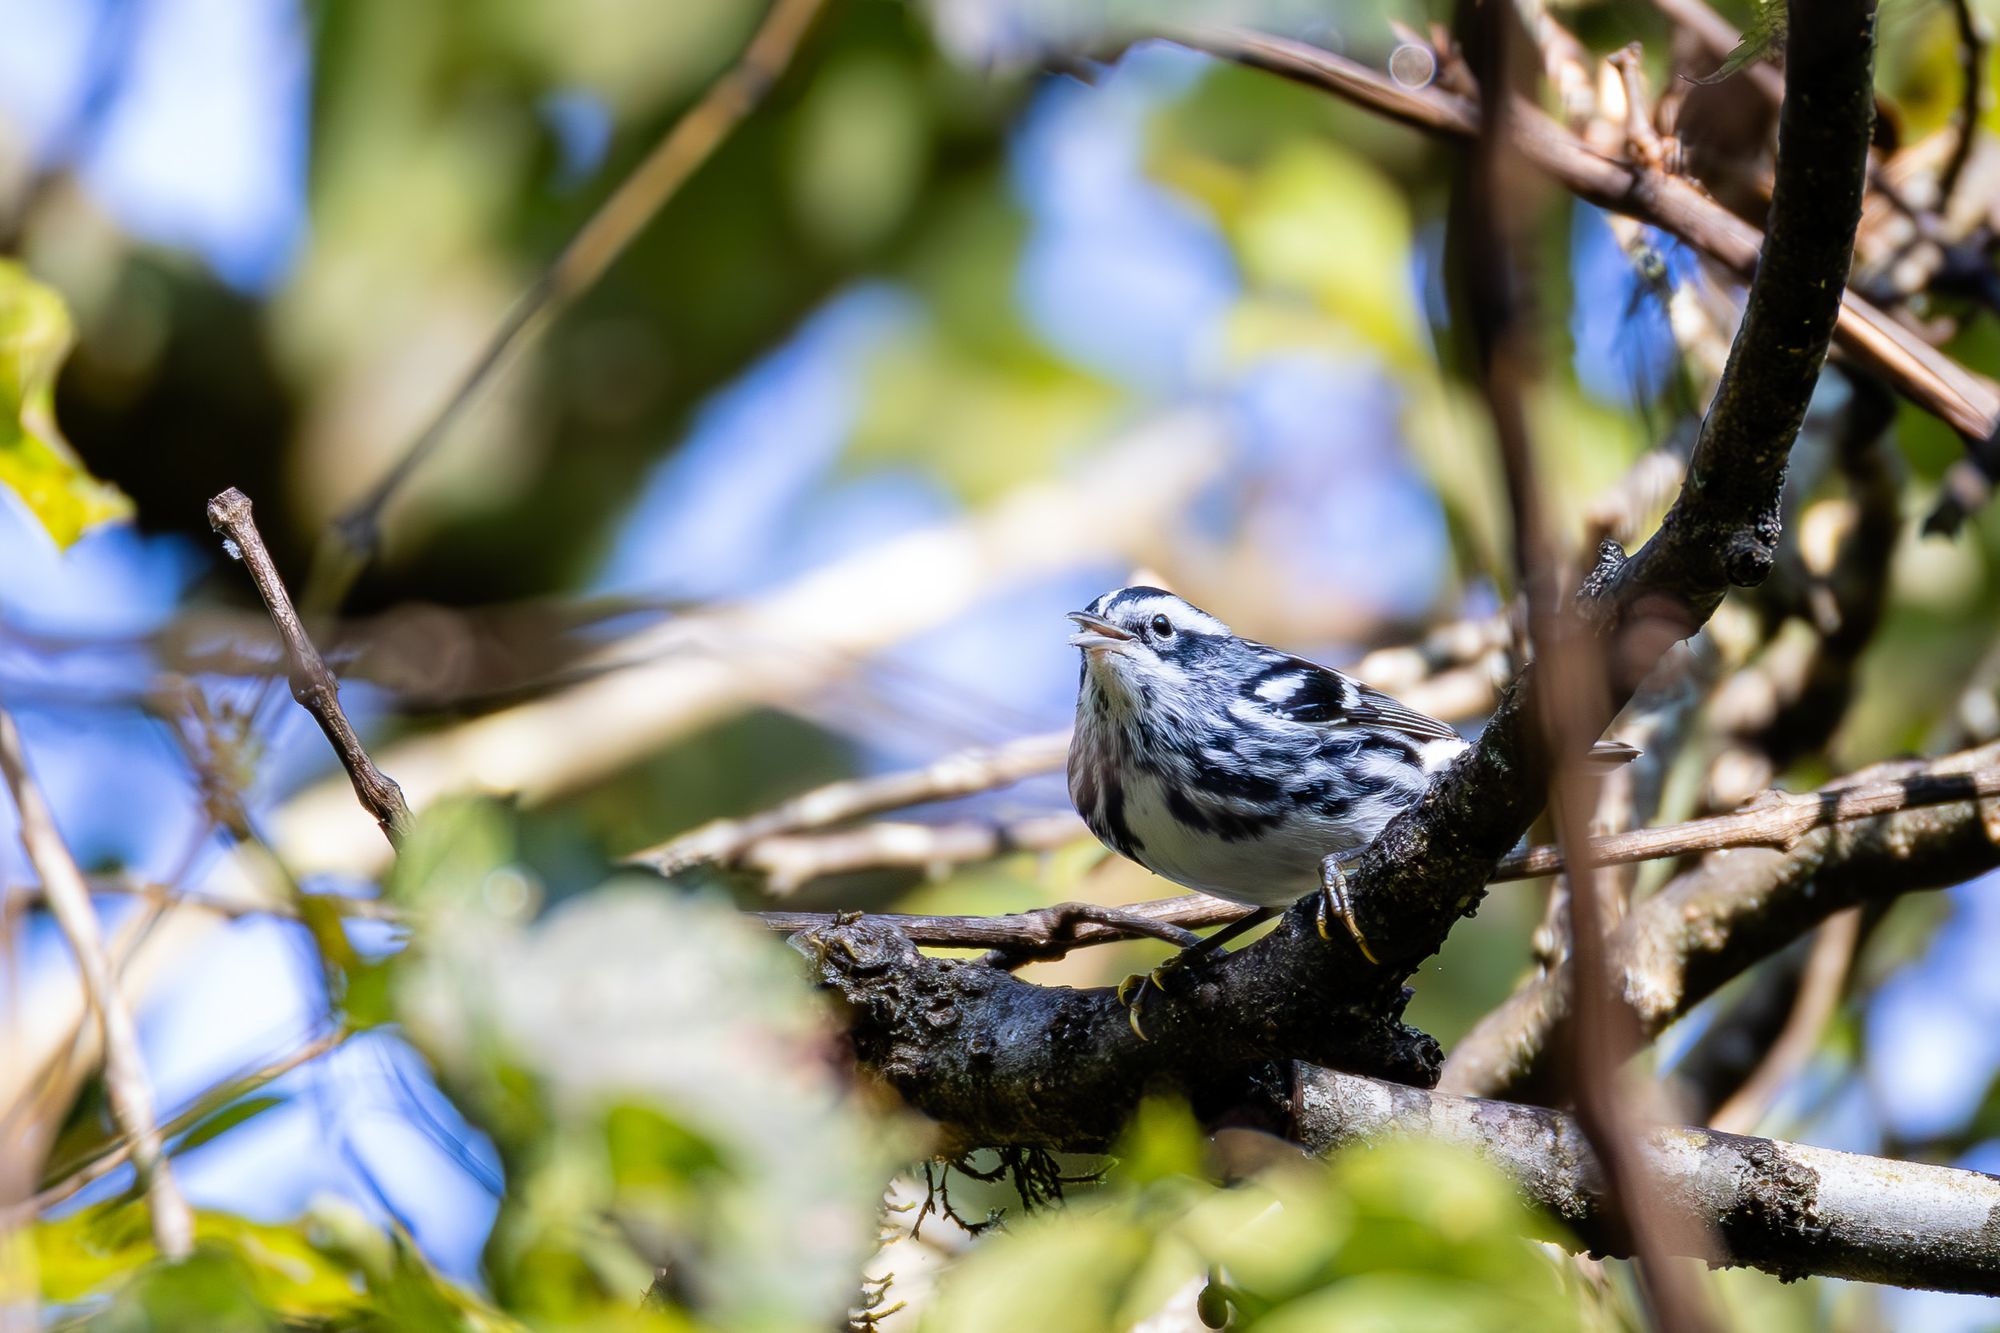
column 1139, row 635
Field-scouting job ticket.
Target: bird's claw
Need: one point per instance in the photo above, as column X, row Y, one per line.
column 1333, row 902
column 1132, row 993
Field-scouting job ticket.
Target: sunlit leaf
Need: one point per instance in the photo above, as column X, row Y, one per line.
column 36, row 463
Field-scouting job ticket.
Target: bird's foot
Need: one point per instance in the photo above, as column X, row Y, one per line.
column 1132, row 992
column 1333, row 902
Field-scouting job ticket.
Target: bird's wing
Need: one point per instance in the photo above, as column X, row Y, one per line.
column 1302, row 691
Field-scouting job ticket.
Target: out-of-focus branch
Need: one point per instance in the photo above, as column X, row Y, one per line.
column 125, row 1080
column 602, row 238
column 115, row 1154
column 726, row 841
column 1820, row 986
column 312, row 684
column 789, row 862
column 1492, row 203
column 1785, row 1208
column 160, row 896
column 1972, row 95
column 1712, row 923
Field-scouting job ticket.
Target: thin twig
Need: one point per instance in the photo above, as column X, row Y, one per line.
column 118, row 1152
column 1972, row 72
column 312, row 684
column 1818, row 996
column 617, row 221
column 1043, row 932
column 356, row 909
column 791, row 861
column 125, row 1079
column 1776, row 820
column 725, row 841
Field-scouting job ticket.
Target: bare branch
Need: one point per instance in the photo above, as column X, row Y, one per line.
column 312, row 684
column 1710, row 924
column 1785, row 1208
column 725, row 841
column 1491, row 207
column 788, row 863
column 1969, row 403
column 119, row 1152
column 1820, row 986
column 125, row 1078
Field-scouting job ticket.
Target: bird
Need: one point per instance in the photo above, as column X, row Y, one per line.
column 1235, row 768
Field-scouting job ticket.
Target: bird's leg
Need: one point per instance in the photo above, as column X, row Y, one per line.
column 1333, row 903
column 1132, row 990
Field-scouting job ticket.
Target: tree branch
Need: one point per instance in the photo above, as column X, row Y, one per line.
column 1711, row 924
column 1969, row 403
column 125, row 1080
column 1785, row 1208
column 312, row 684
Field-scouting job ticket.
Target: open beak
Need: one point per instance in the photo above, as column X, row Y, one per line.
column 1097, row 634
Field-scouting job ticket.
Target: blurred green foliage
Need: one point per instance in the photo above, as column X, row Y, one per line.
column 1393, row 1237
column 661, row 1086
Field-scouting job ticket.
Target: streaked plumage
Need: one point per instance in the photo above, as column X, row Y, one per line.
column 1230, row 766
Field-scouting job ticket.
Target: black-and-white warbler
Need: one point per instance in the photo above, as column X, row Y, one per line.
column 1234, row 768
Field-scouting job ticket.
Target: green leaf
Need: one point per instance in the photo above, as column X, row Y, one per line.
column 1766, row 32
column 35, row 461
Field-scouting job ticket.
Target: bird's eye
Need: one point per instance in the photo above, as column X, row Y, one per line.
column 1162, row 626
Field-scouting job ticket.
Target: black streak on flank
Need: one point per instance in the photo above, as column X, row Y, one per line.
column 1186, row 811
column 1238, row 783
column 1119, row 831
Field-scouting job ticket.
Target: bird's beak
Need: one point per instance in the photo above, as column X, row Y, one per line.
column 1097, row 634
